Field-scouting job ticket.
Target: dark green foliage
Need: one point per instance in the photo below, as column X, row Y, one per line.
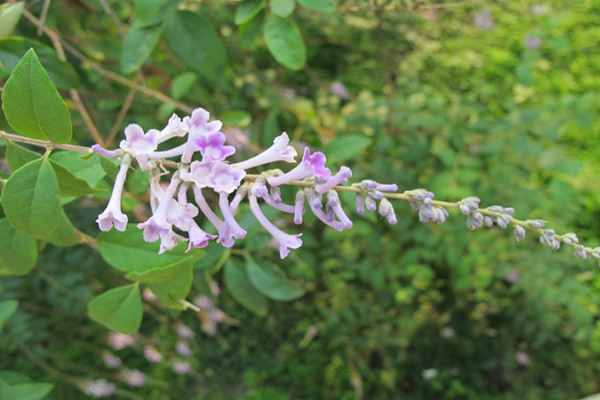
column 410, row 311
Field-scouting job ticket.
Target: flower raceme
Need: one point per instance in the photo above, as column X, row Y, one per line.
column 203, row 166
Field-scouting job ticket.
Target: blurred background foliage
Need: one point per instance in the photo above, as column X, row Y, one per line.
column 491, row 98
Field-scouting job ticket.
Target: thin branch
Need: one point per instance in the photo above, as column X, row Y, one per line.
column 56, row 42
column 43, row 15
column 44, row 143
column 55, row 38
column 87, row 119
column 121, row 116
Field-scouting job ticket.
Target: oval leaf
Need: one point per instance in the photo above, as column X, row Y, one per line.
column 283, row 8
column 30, row 199
column 12, row 49
column 346, row 147
column 65, row 234
column 127, row 251
column 17, row 156
column 170, row 284
column 32, row 105
column 10, row 14
column 118, row 309
column 152, row 12
column 241, row 289
column 138, row 46
column 196, row 43
column 248, row 10
column 18, row 252
column 272, row 282
column 7, row 309
column 25, row 391
column 324, row 6
column 285, row 42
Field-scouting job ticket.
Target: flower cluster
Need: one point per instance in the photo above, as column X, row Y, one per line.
column 204, row 166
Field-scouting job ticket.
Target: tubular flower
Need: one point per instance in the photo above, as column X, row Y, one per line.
column 139, row 144
column 174, row 219
column 311, row 165
column 112, row 215
column 284, row 240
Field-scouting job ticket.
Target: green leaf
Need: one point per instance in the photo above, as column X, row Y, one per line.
column 283, row 8
column 237, row 118
column 7, row 309
column 18, row 252
column 32, row 105
column 119, row 309
column 69, row 184
column 272, row 282
column 65, row 234
column 170, row 284
column 324, row 6
column 152, row 12
column 182, row 84
column 241, row 289
column 88, row 170
column 110, row 166
column 30, row 199
column 248, row 10
column 127, row 251
column 195, row 42
column 13, row 49
column 346, row 147
column 17, row 155
column 285, row 42
column 25, row 391
column 138, row 46
column 10, row 14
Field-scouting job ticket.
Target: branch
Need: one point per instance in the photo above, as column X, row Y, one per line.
column 420, row 200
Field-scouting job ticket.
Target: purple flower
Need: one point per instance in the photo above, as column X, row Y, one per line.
column 184, row 331
column 540, row 9
column 284, row 240
column 200, row 133
column 181, row 367
column 311, row 165
column 314, row 202
column 533, row 42
column 140, row 145
column 340, row 177
column 226, row 178
column 111, row 361
column 213, row 147
column 386, row 209
column 484, row 20
column 237, row 232
column 198, row 238
column 152, row 355
column 112, row 215
column 299, row 207
column 183, row 349
column 522, row 358
column 119, row 341
column 339, row 89
column 519, row 233
column 98, row 388
column 158, row 226
column 175, row 128
column 96, row 148
column 333, row 204
column 199, row 173
column 224, row 237
column 134, row 378
column 279, row 151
